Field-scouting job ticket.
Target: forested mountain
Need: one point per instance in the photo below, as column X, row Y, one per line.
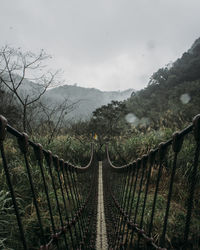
column 173, row 93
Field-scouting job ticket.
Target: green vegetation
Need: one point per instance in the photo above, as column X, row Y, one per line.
column 173, row 90
column 65, row 147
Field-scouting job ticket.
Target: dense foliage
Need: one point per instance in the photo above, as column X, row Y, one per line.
column 173, row 89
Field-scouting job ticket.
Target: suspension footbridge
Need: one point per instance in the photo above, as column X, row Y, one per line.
column 140, row 205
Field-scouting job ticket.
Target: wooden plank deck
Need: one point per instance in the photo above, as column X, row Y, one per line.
column 101, row 241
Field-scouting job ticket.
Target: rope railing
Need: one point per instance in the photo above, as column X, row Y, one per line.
column 153, row 202
column 56, row 208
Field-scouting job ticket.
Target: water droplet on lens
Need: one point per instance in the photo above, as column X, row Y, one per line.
column 185, row 98
column 131, row 118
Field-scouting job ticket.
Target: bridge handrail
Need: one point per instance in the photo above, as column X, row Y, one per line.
column 20, row 135
column 165, row 144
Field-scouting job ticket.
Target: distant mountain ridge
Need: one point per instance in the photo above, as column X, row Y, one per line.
column 86, row 99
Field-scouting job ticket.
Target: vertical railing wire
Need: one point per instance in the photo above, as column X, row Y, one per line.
column 176, row 145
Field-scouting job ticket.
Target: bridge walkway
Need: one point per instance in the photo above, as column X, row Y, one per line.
column 101, row 240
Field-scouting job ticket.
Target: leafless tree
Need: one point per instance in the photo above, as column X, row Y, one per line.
column 53, row 117
column 18, row 70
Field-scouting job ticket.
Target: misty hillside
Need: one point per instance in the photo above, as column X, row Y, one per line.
column 83, row 100
column 86, row 99
column 172, row 93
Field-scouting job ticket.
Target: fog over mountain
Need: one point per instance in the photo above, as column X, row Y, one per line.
column 82, row 101
column 104, row 44
column 86, row 99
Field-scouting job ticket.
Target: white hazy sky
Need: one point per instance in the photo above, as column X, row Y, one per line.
column 105, row 44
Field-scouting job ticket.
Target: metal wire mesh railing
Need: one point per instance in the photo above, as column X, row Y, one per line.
column 153, row 202
column 56, row 208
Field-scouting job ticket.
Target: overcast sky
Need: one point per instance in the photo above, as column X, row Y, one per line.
column 105, row 44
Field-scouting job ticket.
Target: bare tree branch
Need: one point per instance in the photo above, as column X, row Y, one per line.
column 17, row 68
